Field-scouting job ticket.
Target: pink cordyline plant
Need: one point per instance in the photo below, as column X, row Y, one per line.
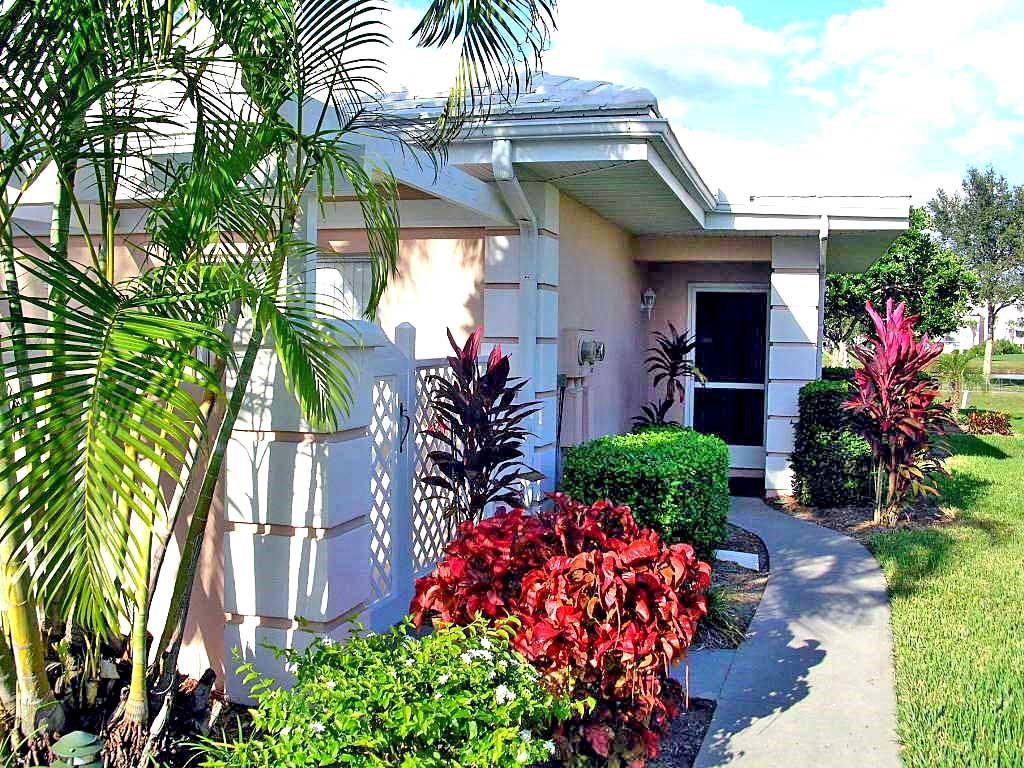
column 899, row 412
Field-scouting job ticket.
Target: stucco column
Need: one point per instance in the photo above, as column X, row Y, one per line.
column 521, row 314
column 794, row 354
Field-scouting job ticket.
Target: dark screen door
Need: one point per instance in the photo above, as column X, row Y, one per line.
column 731, row 329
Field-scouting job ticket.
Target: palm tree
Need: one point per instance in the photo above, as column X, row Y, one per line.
column 953, row 368
column 97, row 417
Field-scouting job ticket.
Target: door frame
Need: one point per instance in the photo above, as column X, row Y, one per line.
column 740, row 456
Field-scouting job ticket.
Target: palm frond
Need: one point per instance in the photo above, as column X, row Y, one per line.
column 500, row 42
column 75, row 501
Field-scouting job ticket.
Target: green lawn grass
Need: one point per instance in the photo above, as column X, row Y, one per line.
column 958, row 615
column 1001, row 364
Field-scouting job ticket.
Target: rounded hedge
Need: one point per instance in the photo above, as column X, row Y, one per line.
column 831, row 462
column 675, row 480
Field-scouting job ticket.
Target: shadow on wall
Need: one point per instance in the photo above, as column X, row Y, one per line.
column 439, row 284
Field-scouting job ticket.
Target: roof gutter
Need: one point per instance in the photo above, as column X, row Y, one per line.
column 509, row 187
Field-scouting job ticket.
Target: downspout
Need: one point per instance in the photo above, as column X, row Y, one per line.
column 822, row 272
column 512, row 193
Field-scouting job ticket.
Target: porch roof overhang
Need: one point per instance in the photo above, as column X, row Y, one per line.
column 610, row 148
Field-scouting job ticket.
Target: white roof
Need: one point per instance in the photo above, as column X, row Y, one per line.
column 544, row 96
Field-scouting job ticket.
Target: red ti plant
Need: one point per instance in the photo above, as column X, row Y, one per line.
column 899, row 410
column 479, row 428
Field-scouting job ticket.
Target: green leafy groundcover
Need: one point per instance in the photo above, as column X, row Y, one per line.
column 458, row 697
column 675, row 480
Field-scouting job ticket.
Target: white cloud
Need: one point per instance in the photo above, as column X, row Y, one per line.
column 895, row 98
column 686, row 41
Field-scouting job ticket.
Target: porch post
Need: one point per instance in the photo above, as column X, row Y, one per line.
column 794, row 354
column 521, row 314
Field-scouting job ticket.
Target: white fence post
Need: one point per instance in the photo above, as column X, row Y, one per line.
column 402, row 547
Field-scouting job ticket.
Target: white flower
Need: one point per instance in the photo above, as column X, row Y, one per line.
column 549, row 746
column 286, row 730
column 523, row 756
column 442, row 679
column 476, row 653
column 317, row 727
column 437, row 696
column 491, row 674
column 526, row 735
column 485, row 643
column 329, row 641
column 502, row 664
column 330, row 685
column 504, row 695
column 409, row 662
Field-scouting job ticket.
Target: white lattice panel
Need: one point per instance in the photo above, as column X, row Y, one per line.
column 432, row 526
column 383, row 432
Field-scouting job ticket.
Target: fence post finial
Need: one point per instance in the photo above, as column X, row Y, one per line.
column 405, row 339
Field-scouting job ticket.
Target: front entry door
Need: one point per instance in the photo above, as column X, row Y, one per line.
column 730, row 323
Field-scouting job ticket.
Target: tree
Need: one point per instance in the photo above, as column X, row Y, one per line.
column 933, row 281
column 97, row 416
column 984, row 224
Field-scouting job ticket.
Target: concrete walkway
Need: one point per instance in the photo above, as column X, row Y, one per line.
column 813, row 683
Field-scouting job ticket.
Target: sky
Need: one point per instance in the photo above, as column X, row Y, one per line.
column 799, row 96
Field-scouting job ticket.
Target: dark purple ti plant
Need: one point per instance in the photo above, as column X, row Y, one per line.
column 478, row 431
column 669, row 363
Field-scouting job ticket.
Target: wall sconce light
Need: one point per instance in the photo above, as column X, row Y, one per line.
column 647, row 300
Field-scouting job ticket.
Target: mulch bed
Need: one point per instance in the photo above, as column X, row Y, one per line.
column 744, row 587
column 857, row 520
column 681, row 744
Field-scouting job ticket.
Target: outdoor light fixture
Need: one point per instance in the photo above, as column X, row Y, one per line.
column 78, row 749
column 647, row 302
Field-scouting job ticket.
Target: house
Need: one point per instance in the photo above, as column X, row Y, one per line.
column 555, row 225
column 1009, row 327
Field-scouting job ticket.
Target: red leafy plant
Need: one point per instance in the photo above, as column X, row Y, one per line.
column 603, row 607
column 477, row 428
column 899, row 412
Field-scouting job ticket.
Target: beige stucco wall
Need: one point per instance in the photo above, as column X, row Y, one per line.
column 694, row 248
column 671, row 281
column 439, row 284
column 599, row 288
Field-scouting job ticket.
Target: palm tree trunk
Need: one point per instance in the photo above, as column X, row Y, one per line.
column 170, row 641
column 177, row 613
column 8, row 681
column 198, row 450
column 990, row 337
column 39, row 713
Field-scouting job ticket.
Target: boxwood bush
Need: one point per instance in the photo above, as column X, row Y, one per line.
column 837, row 373
column 831, row 462
column 675, row 480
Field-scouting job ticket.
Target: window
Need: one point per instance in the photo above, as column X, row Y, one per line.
column 345, row 282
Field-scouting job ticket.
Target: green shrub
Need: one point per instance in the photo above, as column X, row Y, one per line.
column 831, row 462
column 999, row 347
column 675, row 480
column 460, row 696
column 837, row 373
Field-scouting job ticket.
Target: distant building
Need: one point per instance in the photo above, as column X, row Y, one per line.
column 1009, row 325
